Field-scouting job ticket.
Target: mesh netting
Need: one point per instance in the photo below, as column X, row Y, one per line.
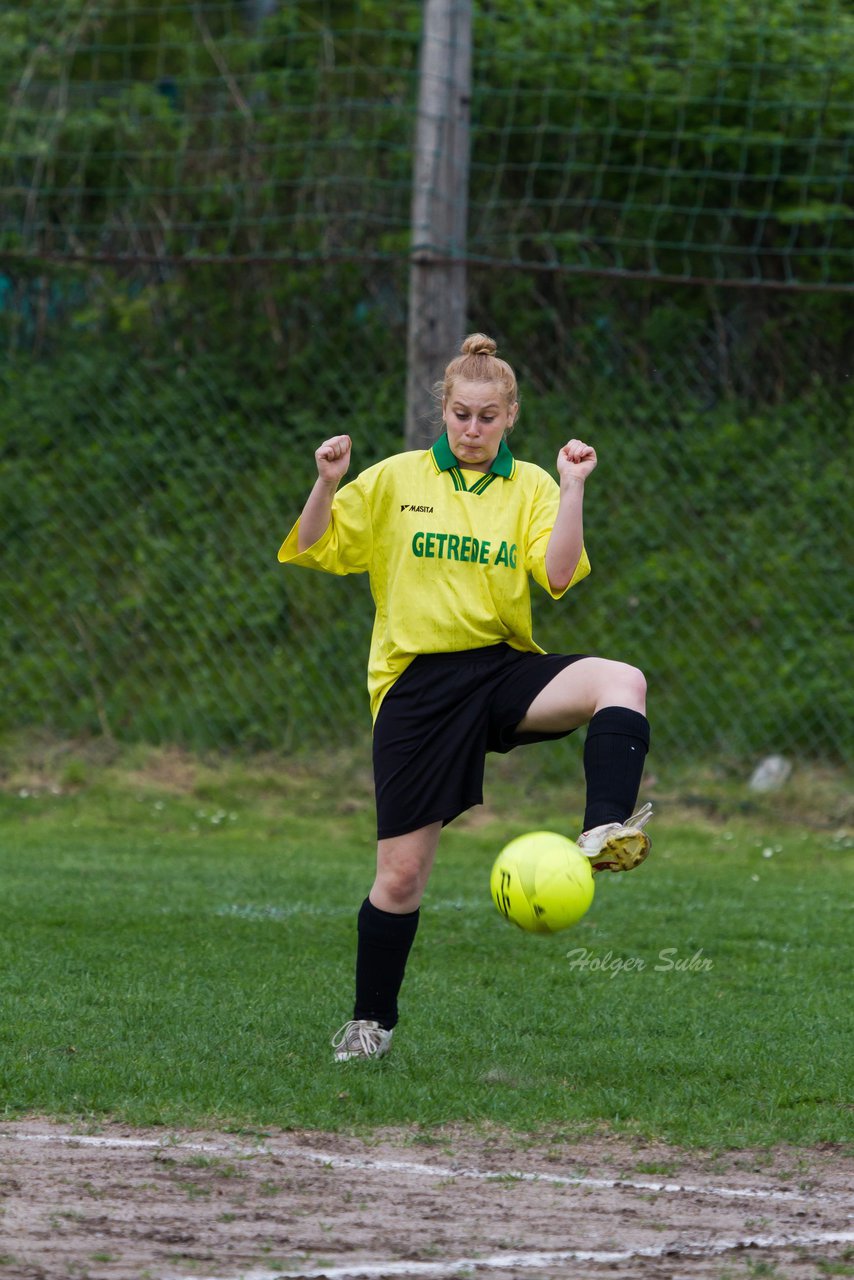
column 204, row 243
column 679, row 140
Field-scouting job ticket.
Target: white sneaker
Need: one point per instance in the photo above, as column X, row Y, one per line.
column 618, row 846
column 361, row 1039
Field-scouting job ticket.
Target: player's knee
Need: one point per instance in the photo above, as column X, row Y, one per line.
column 626, row 686
column 401, row 884
column 637, row 682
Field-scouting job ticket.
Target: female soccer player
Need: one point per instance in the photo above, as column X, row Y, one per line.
column 451, row 537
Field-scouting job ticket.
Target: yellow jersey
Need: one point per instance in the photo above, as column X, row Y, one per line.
column 450, row 554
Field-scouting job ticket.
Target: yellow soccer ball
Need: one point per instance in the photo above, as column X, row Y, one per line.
column 542, row 882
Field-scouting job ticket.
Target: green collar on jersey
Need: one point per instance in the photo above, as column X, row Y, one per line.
column 503, row 464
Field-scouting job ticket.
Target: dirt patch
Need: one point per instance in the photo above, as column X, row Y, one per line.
column 116, row 1203
column 168, row 770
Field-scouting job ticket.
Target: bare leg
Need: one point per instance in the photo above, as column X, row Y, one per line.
column 574, row 696
column 404, row 864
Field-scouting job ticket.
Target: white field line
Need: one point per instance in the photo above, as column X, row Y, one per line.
column 534, row 1261
column 266, row 911
column 432, row 1170
column 516, row 1175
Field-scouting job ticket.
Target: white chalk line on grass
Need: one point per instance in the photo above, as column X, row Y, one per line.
column 535, row 1261
column 443, row 1172
column 266, row 911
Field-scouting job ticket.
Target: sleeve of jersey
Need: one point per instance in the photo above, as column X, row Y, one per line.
column 543, row 515
column 346, row 545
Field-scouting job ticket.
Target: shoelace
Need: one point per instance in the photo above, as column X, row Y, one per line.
column 356, row 1034
column 641, row 818
column 637, row 821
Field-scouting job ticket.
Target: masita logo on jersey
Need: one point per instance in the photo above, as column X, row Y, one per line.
column 457, row 546
column 407, row 506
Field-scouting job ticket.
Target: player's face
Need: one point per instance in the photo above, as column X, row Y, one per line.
column 476, row 415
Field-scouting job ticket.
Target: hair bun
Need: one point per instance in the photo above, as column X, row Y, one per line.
column 478, row 344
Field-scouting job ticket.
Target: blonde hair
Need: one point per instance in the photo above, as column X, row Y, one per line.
column 477, row 362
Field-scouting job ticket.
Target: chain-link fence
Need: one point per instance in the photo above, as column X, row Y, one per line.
column 159, row 413
column 143, row 505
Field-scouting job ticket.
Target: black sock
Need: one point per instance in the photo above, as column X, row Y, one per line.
column 384, row 943
column 614, row 754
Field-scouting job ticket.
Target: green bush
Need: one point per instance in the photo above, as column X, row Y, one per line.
column 143, row 505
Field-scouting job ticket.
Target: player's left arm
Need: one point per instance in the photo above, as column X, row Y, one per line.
column 575, row 461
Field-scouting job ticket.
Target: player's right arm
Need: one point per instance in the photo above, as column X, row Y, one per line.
column 333, row 461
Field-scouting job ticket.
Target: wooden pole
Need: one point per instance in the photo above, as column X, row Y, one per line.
column 437, row 273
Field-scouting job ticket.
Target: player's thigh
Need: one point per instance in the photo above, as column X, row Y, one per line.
column 404, row 864
column 579, row 691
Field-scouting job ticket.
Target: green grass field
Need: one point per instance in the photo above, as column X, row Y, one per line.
column 177, row 947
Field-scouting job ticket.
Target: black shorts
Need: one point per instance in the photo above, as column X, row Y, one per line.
column 438, row 721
